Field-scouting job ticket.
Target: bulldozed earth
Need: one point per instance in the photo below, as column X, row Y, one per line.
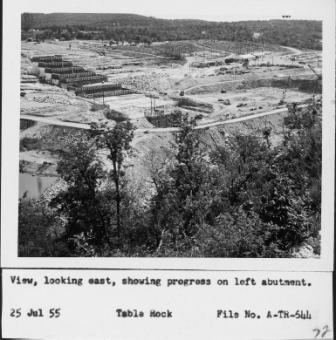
column 225, row 91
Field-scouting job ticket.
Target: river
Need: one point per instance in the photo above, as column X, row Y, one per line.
column 34, row 185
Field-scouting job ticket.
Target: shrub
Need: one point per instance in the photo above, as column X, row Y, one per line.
column 28, row 143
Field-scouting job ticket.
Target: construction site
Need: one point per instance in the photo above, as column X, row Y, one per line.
column 67, row 85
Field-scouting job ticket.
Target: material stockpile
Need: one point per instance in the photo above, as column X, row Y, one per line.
column 207, row 64
column 194, row 105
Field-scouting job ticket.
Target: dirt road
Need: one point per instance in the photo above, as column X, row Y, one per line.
column 158, row 130
column 219, row 123
column 55, row 122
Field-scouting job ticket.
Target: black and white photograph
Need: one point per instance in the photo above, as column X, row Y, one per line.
column 150, row 137
column 167, row 169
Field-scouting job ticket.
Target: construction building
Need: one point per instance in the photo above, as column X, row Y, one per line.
column 160, row 119
column 103, row 89
column 54, row 64
column 65, row 70
column 80, row 81
column 85, row 83
column 47, row 58
column 63, row 73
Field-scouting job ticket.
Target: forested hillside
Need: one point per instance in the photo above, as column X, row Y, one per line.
column 137, row 28
column 243, row 198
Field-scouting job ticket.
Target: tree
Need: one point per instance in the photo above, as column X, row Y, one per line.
column 237, row 234
column 27, row 21
column 39, row 230
column 281, row 185
column 251, row 196
column 117, row 141
column 184, row 194
column 82, row 204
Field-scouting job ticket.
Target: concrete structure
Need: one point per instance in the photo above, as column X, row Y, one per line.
column 65, row 76
column 48, row 58
column 102, row 89
column 65, row 70
column 55, row 64
column 87, row 83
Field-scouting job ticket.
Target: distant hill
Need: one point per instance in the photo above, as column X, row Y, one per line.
column 132, row 27
column 40, row 20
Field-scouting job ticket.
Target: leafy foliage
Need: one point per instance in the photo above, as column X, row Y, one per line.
column 83, row 204
column 117, row 142
column 28, row 143
column 39, row 227
column 183, row 196
column 244, row 198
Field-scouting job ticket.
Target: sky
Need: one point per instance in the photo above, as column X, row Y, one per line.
column 212, row 10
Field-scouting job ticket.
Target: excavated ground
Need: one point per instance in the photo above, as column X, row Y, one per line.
column 212, row 94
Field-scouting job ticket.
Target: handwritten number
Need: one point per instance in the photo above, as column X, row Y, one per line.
column 317, row 332
column 321, row 332
column 325, row 331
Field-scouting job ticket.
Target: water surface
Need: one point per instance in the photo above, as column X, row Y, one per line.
column 34, row 185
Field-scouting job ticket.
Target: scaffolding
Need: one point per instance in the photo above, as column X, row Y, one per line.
column 103, row 89
column 111, row 93
column 65, row 70
column 48, row 58
column 63, row 77
column 54, row 64
column 85, row 80
column 159, row 119
column 75, row 78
